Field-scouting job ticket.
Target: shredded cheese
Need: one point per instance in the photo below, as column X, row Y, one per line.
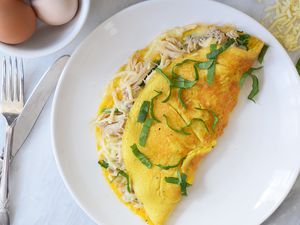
column 283, row 20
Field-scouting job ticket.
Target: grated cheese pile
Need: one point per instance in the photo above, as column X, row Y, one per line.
column 283, row 20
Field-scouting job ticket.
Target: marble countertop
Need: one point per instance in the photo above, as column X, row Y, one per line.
column 38, row 195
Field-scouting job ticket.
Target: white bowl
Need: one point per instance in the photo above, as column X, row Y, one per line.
column 49, row 39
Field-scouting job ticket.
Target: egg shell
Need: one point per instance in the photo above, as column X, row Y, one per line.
column 17, row 21
column 55, row 12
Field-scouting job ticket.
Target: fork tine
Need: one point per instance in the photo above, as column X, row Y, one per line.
column 21, row 82
column 9, row 81
column 15, row 80
column 3, row 80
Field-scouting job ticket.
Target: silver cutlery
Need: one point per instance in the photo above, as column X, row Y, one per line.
column 11, row 106
column 35, row 103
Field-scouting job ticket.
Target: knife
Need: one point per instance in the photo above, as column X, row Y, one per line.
column 36, row 103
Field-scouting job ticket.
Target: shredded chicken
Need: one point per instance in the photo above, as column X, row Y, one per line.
column 170, row 48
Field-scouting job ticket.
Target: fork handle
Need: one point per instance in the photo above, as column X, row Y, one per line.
column 4, row 216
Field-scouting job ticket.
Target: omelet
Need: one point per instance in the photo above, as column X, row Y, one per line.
column 165, row 109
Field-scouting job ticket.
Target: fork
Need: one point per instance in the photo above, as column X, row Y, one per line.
column 11, row 105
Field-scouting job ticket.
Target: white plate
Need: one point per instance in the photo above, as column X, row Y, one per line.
column 255, row 162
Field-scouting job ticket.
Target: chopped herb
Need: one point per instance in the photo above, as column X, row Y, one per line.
column 195, row 120
column 143, row 111
column 172, row 180
column 211, row 73
column 145, row 131
column 171, row 166
column 213, row 47
column 214, row 53
column 123, row 174
column 180, row 98
column 255, row 83
column 255, row 88
column 152, row 106
column 298, row 66
column 169, row 83
column 243, row 40
column 175, row 75
column 262, row 53
column 141, row 156
column 169, row 95
column 181, row 181
column 181, row 130
column 216, row 119
column 177, row 80
column 164, row 76
column 205, row 65
column 180, row 82
column 107, row 110
column 103, row 164
column 247, row 74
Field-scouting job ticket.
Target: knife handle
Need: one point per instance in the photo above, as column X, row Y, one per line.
column 4, row 215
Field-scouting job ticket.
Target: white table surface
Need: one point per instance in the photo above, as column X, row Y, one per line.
column 38, row 195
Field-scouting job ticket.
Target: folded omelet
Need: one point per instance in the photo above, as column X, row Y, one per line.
column 165, row 110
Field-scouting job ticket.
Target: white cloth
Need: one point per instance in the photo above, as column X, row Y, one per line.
column 38, row 195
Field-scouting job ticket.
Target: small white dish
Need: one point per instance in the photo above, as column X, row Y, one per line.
column 49, row 39
column 255, row 162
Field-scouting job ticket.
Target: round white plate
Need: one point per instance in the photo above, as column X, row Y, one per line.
column 255, row 162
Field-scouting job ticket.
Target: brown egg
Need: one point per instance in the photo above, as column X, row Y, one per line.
column 17, row 21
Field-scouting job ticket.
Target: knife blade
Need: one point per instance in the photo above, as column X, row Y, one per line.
column 36, row 103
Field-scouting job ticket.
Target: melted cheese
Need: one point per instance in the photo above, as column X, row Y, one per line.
column 283, row 19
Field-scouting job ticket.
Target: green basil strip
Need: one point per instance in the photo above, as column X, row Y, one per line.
column 169, row 95
column 172, row 180
column 180, row 131
column 169, row 82
column 298, row 66
column 107, row 110
column 243, row 40
column 103, row 164
column 216, row 119
column 141, row 156
column 170, row 166
column 213, row 47
column 255, row 88
column 152, row 106
column 213, row 54
column 247, row 74
column 124, row 174
column 243, row 78
column 181, row 181
column 205, row 65
column 143, row 111
column 145, row 131
column 195, row 120
column 175, row 75
column 262, row 53
column 211, row 73
column 180, row 98
column 180, row 82
column 164, row 75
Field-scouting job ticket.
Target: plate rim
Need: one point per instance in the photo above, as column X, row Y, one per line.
column 76, row 52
